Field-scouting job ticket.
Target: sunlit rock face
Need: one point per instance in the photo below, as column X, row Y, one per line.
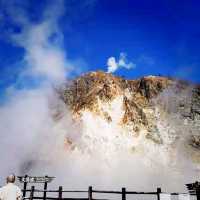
column 152, row 120
column 103, row 95
column 152, row 106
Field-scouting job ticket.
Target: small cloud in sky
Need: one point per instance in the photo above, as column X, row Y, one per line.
column 114, row 64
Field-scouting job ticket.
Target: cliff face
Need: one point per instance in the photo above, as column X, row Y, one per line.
column 158, row 109
column 106, row 87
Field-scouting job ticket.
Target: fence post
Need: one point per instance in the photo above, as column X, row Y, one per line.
column 123, row 193
column 45, row 188
column 158, row 193
column 198, row 193
column 25, row 186
column 90, row 193
column 60, row 193
column 32, row 192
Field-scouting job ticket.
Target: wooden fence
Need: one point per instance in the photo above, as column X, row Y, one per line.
column 58, row 194
column 90, row 192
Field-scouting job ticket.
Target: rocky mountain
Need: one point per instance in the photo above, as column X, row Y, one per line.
column 160, row 110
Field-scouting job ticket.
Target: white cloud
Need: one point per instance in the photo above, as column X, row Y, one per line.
column 114, row 65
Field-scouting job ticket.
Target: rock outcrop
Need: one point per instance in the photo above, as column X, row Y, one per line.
column 159, row 107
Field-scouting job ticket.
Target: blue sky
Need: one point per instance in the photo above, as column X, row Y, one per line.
column 159, row 37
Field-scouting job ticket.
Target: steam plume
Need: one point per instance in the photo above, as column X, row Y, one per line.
column 114, row 65
column 26, row 118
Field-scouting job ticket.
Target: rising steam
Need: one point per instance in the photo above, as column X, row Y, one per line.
column 26, row 118
column 113, row 64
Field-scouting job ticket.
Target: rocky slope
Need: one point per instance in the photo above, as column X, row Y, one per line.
column 158, row 109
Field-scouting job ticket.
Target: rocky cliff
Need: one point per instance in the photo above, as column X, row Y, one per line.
column 158, row 109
